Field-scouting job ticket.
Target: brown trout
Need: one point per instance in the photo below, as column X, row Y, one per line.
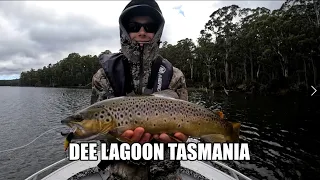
column 155, row 113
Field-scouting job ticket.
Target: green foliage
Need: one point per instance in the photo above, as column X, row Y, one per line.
column 74, row 70
column 238, row 45
column 13, row 82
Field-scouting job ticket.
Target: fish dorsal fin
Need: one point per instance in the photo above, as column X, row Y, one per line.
column 166, row 93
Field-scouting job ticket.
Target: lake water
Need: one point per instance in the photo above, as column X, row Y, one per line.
column 282, row 132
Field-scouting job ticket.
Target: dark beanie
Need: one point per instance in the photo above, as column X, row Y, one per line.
column 141, row 8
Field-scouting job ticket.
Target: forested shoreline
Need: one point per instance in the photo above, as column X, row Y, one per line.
column 264, row 52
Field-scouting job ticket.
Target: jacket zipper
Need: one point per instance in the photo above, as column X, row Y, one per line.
column 141, row 70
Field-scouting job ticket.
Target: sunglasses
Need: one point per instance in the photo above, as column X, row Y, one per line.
column 148, row 27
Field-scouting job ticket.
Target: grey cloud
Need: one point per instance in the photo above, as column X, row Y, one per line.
column 9, row 71
column 29, row 33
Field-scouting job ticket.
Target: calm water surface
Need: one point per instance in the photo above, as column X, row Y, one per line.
column 282, row 132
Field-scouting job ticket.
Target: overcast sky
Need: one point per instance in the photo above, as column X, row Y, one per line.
column 34, row 34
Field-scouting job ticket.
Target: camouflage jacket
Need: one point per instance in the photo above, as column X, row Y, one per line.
column 140, row 57
column 101, row 88
column 166, row 169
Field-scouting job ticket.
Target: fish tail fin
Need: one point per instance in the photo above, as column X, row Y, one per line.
column 234, row 137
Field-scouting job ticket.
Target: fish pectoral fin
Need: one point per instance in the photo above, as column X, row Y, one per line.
column 214, row 138
column 123, row 139
column 117, row 132
column 174, row 138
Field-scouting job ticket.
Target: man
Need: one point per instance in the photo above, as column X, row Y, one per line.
column 139, row 69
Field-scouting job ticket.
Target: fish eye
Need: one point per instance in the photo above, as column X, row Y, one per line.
column 78, row 117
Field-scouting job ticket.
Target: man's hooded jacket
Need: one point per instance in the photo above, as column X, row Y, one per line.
column 133, row 61
column 136, row 63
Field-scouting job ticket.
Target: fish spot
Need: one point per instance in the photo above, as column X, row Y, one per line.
column 154, row 124
column 102, row 112
column 147, row 118
column 96, row 114
column 118, row 124
column 135, row 122
column 179, row 125
column 199, row 124
column 107, row 119
column 101, row 116
column 126, row 122
column 121, row 115
column 138, row 114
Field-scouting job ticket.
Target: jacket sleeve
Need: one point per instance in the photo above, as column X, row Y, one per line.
column 178, row 84
column 101, row 88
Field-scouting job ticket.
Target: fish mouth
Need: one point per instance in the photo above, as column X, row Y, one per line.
column 78, row 131
column 74, row 123
column 73, row 128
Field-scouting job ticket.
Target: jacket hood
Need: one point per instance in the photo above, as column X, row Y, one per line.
column 130, row 48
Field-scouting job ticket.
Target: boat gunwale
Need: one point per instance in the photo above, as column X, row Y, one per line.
column 233, row 173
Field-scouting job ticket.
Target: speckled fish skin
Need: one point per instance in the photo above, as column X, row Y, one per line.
column 156, row 114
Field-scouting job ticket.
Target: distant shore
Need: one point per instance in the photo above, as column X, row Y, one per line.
column 240, row 88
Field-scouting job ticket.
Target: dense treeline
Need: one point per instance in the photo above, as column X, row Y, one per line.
column 74, row 70
column 13, row 82
column 252, row 49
